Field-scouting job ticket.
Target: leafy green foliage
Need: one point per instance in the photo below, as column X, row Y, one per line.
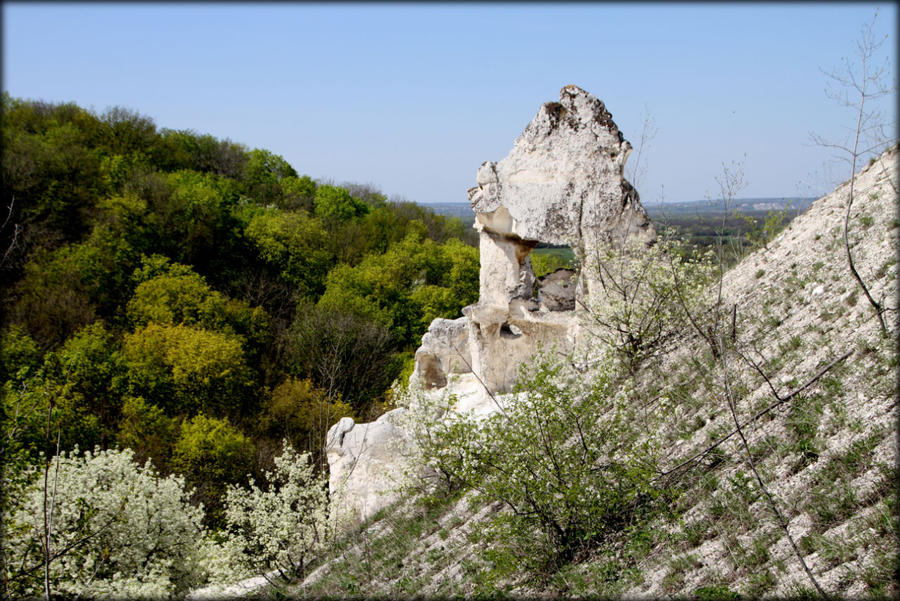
column 178, row 295
column 95, row 374
column 715, row 593
column 548, row 260
column 296, row 245
column 300, row 414
column 162, row 296
column 184, row 149
column 336, row 205
column 148, row 432
column 211, row 453
column 297, row 193
column 55, row 298
column 43, row 403
column 564, row 455
column 50, row 167
column 393, row 288
column 77, row 388
column 19, row 354
column 761, row 231
column 187, row 370
column 263, row 175
column 196, row 215
column 126, row 132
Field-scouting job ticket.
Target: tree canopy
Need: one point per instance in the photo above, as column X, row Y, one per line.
column 194, row 302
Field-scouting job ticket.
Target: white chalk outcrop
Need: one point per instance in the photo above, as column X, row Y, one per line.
column 562, row 183
column 363, row 460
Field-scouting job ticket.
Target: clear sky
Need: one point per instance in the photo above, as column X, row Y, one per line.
column 413, row 98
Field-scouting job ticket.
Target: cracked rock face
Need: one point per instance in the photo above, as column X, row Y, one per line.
column 562, row 183
column 363, row 464
column 444, row 350
column 557, row 290
column 563, row 177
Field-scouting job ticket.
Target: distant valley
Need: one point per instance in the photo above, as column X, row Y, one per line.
column 748, row 206
column 698, row 221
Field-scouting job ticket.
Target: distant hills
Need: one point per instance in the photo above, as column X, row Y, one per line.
column 743, row 205
column 748, row 206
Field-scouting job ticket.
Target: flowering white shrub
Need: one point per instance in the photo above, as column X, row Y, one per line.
column 118, row 530
column 431, row 465
column 566, row 454
column 649, row 294
column 221, row 561
column 283, row 527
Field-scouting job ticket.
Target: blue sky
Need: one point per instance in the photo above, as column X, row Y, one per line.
column 413, row 98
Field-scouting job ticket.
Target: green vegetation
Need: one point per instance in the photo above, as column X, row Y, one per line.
column 565, row 460
column 194, row 302
column 740, row 231
column 546, row 260
column 574, row 494
column 574, row 475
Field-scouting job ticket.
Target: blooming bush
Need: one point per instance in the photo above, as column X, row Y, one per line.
column 284, row 526
column 649, row 294
column 117, row 529
column 566, row 454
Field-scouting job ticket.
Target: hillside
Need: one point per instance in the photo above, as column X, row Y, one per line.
column 184, row 317
column 187, row 303
column 813, row 385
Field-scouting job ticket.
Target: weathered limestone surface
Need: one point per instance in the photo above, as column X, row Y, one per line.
column 362, row 459
column 563, row 177
column 562, row 183
column 557, row 291
column 444, row 350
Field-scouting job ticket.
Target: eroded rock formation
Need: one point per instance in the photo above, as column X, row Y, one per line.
column 562, row 183
column 444, row 350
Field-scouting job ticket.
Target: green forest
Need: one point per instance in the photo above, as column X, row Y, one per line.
column 197, row 301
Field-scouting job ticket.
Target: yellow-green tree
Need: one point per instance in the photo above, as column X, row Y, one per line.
column 187, row 370
column 147, row 431
column 335, row 204
column 405, row 288
column 171, row 293
column 211, row 454
column 301, row 413
column 296, row 246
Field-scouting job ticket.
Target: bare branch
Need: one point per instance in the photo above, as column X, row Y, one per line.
column 857, row 84
column 780, row 401
column 749, row 457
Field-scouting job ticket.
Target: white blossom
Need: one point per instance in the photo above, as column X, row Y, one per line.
column 118, row 530
column 285, row 526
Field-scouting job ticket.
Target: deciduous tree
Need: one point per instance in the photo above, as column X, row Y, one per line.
column 211, row 454
column 284, row 526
